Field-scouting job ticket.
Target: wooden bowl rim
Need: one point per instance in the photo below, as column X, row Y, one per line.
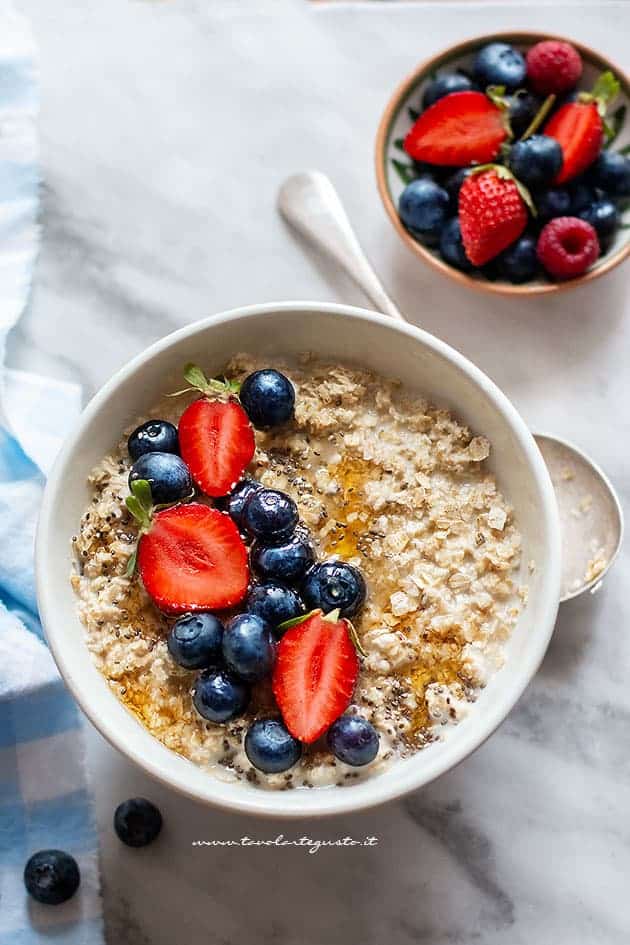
column 387, row 119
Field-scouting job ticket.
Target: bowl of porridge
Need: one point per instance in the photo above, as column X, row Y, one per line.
column 314, row 580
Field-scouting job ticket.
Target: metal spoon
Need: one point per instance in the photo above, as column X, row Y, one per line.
column 590, row 514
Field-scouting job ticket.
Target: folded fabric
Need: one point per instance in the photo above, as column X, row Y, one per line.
column 44, row 799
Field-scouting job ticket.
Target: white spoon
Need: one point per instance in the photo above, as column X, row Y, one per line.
column 590, row 513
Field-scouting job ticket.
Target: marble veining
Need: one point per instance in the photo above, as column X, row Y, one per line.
column 166, row 128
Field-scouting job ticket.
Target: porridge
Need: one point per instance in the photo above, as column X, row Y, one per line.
column 388, row 485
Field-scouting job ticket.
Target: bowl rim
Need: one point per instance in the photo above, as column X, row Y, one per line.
column 389, row 115
column 165, row 765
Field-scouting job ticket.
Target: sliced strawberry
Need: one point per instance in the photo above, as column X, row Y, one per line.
column 192, row 557
column 315, row 674
column 579, row 130
column 492, row 213
column 216, row 442
column 461, row 128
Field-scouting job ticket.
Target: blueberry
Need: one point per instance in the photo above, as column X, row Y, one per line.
column 273, row 603
column 51, row 876
column 555, row 202
column 332, row 585
column 270, row 746
column 611, row 173
column 167, row 474
column 219, row 696
column 522, row 107
column 453, row 185
column 353, row 740
column 444, row 85
column 288, row 562
column 581, row 194
column 519, row 262
column 535, row 161
column 268, row 398
column 499, row 64
column 452, row 247
column 194, row 641
column 237, row 498
column 248, row 647
column 154, row 436
column 423, row 208
column 270, row 515
column 137, row 822
column 602, row 215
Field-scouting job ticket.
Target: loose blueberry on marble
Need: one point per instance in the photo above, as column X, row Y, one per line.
column 444, row 85
column 270, row 747
column 519, row 262
column 535, row 161
column 268, row 398
column 452, row 248
column 248, row 647
column 287, row 562
column 611, row 173
column 154, row 436
column 270, row 515
column 137, row 822
column 555, row 202
column 353, row 740
column 220, row 696
column 602, row 215
column 423, row 208
column 499, row 64
column 51, row 876
column 194, row 641
column 235, row 501
column 273, row 602
column 167, row 474
column 334, row 585
column 522, row 107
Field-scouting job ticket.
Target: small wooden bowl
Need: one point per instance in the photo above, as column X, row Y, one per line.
column 396, row 122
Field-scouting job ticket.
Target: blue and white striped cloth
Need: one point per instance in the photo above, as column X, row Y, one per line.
column 44, row 798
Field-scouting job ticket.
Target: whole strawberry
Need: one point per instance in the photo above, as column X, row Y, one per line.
column 492, row 212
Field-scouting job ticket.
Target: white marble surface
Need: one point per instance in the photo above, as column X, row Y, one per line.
column 166, row 128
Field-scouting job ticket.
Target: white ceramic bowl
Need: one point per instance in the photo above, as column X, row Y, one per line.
column 334, row 331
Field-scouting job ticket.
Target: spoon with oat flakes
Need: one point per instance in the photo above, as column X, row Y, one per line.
column 590, row 513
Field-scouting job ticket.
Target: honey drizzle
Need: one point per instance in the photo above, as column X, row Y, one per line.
column 351, row 538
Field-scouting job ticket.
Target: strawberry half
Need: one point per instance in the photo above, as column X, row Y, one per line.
column 216, row 439
column 579, row 127
column 492, row 213
column 461, row 128
column 315, row 673
column 190, row 557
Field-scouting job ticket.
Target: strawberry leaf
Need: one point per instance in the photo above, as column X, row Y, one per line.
column 404, row 171
column 130, row 570
column 195, row 377
column 141, row 489
column 354, row 636
column 539, row 117
column 614, row 124
column 296, row 621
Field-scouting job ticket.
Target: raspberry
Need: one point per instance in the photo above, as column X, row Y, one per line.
column 567, row 246
column 553, row 66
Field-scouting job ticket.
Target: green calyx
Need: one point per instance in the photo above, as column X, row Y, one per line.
column 208, row 386
column 332, row 617
column 496, row 94
column 539, row 117
column 140, row 504
column 504, row 173
column 606, row 88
